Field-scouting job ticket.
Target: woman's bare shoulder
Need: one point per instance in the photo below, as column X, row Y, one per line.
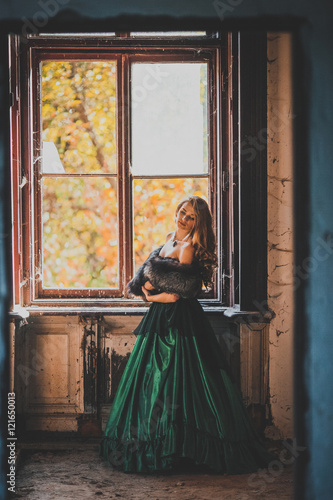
column 169, row 236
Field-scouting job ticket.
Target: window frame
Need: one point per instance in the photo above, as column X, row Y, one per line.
column 38, row 292
column 220, row 163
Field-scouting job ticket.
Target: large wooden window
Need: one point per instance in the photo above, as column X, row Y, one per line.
column 109, row 133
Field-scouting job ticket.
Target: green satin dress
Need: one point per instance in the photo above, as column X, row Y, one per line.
column 175, row 401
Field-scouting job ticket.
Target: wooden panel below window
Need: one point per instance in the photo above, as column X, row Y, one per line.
column 48, row 374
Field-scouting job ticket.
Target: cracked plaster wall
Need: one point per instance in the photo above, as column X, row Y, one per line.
column 280, row 233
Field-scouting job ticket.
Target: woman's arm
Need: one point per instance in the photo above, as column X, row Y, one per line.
column 164, row 297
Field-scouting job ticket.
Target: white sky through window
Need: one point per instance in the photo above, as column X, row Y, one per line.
column 169, row 122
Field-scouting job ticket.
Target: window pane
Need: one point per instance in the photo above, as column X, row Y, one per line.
column 77, row 35
column 80, row 233
column 167, row 33
column 79, row 116
column 169, row 119
column 155, row 202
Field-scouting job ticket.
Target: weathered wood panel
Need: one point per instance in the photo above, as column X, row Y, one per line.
column 49, row 374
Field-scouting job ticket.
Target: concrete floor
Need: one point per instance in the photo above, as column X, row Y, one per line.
column 65, row 470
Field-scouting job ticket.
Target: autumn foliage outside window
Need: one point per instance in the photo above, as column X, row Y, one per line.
column 80, row 227
column 80, row 208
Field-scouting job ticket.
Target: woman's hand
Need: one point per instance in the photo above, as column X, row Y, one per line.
column 148, row 286
column 163, row 297
column 146, row 292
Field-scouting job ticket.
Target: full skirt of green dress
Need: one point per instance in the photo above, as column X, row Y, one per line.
column 176, row 401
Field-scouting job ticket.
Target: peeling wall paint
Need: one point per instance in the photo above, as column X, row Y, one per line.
column 280, row 287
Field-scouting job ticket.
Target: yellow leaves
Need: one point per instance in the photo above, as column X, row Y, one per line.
column 75, row 102
column 82, row 229
column 79, row 100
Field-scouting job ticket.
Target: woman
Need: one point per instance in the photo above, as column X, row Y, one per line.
column 175, row 403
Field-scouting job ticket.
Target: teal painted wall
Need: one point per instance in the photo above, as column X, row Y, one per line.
column 314, row 199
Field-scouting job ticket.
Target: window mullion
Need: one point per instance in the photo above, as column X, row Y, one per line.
column 214, row 159
column 36, row 177
column 126, row 245
column 225, row 147
column 230, row 148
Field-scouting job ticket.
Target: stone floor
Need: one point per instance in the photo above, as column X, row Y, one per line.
column 74, row 471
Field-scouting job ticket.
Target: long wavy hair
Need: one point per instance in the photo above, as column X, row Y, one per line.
column 203, row 237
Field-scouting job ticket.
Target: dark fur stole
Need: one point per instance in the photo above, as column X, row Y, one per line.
column 170, row 276
column 134, row 286
column 167, row 275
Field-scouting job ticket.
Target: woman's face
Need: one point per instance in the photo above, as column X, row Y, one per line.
column 185, row 218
